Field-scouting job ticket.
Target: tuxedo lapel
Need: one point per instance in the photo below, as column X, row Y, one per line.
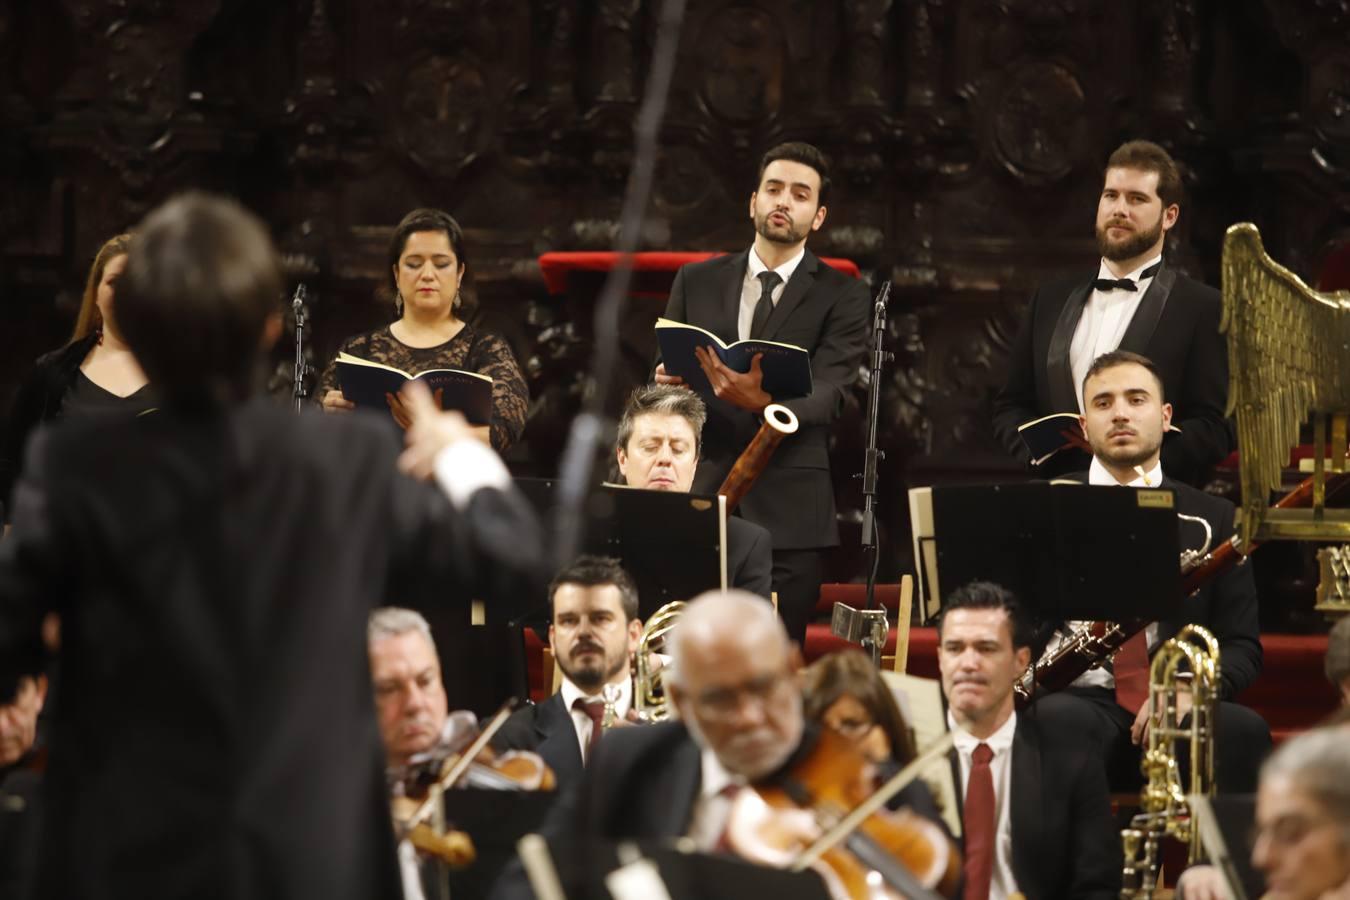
column 1059, row 371
column 558, row 743
column 686, row 775
column 1139, row 332
column 797, row 286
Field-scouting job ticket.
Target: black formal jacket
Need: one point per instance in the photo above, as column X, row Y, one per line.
column 545, row 728
column 825, row 312
column 215, row 735
column 1064, row 840
column 1227, row 605
column 749, row 557
column 39, row 399
column 1176, row 326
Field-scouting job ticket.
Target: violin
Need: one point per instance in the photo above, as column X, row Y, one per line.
column 824, row 815
column 454, row 765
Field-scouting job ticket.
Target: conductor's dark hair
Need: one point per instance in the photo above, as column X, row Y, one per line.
column 201, row 281
column 1115, row 358
column 594, row 571
column 799, row 152
column 988, row 595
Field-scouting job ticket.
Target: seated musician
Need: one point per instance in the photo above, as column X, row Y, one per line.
column 1035, row 811
column 593, row 631
column 659, row 440
column 844, row 692
column 1338, row 659
column 734, row 682
column 1124, row 423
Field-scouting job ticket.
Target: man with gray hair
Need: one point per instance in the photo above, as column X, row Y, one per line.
column 658, row 447
column 405, row 672
column 734, row 682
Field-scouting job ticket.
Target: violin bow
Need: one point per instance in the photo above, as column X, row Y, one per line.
column 461, row 765
column 898, row 782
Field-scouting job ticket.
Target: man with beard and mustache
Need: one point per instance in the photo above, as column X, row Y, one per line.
column 779, row 290
column 593, row 632
column 1135, row 302
column 1035, row 810
column 1125, row 417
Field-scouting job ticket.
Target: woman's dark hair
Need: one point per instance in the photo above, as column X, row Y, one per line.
column 201, row 281
column 852, row 673
column 426, row 219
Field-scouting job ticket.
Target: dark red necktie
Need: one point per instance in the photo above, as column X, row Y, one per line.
column 1130, row 669
column 979, row 823
column 595, row 711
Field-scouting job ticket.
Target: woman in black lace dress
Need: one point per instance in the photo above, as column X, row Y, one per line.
column 426, row 260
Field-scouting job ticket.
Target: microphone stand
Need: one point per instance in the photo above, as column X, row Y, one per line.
column 868, row 625
column 302, row 368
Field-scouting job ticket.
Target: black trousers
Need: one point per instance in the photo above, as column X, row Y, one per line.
column 796, row 579
column 1241, row 743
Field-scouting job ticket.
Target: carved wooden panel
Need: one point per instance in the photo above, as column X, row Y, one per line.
column 968, row 138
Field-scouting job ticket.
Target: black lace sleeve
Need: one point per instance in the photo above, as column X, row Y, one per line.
column 510, row 397
column 357, row 345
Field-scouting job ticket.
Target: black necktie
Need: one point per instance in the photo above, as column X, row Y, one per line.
column 764, row 308
column 1122, row 284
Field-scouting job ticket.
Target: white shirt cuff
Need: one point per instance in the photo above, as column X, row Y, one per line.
column 467, row 466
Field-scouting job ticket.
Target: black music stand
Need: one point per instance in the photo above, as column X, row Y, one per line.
column 671, row 543
column 496, row 820
column 1069, row 551
column 583, row 865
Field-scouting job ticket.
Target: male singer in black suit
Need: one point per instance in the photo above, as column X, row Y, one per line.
column 780, row 291
column 1034, row 803
column 1136, row 301
column 1125, row 419
column 213, row 566
column 593, row 632
column 658, row 447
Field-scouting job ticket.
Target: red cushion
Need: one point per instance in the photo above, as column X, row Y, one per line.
column 556, row 266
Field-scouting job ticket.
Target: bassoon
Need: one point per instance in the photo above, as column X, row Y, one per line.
column 1093, row 644
column 779, row 422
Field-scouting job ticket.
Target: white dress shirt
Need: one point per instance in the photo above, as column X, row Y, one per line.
column 571, row 693
column 1002, row 884
column 751, row 288
column 712, row 806
column 1100, row 676
column 1105, row 317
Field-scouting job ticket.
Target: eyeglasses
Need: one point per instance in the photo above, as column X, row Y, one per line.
column 1286, row 831
column 725, row 702
column 853, row 729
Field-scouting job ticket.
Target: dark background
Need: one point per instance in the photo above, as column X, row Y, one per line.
column 968, row 140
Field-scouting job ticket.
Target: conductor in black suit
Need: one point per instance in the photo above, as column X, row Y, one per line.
column 1035, row 809
column 593, row 632
column 1125, row 420
column 1135, row 301
column 778, row 290
column 659, row 442
column 226, row 551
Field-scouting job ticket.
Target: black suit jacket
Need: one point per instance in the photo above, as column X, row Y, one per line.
column 215, row 735
column 545, row 728
column 1176, row 326
column 827, row 313
column 1064, row 840
column 749, row 557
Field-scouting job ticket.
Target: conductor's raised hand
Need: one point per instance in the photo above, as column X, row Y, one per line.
column 430, row 430
column 741, row 390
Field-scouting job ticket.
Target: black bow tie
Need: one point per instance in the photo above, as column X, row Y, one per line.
column 1125, row 284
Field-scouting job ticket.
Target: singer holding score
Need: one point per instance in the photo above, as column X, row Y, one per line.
column 427, row 266
column 779, row 290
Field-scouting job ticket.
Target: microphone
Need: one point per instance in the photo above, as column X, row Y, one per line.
column 298, row 301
